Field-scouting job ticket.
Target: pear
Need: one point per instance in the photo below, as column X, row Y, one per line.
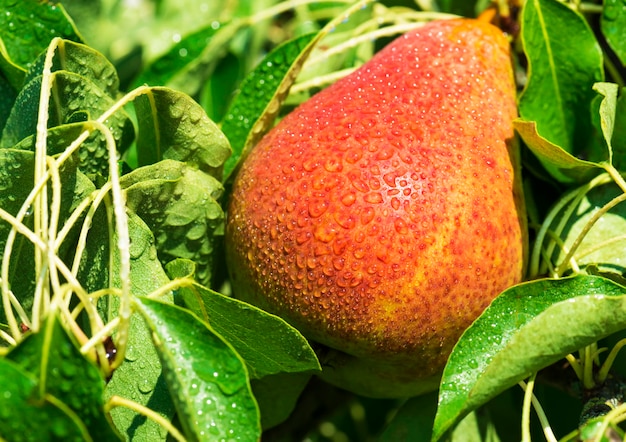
column 384, row 214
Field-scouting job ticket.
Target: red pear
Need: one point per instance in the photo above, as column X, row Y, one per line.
column 384, row 214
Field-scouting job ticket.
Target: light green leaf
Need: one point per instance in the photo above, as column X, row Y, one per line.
column 527, row 328
column 613, row 26
column 618, row 141
column 563, row 165
column 565, row 60
column 604, row 244
column 205, row 376
column 261, row 94
column 606, row 111
column 173, row 126
column 266, row 342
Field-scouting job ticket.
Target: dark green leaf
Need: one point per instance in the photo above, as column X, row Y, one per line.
column 186, row 64
column 527, row 328
column 26, row 28
column 459, row 7
column 565, row 61
column 62, row 371
column 23, row 419
column 267, row 343
column 563, row 165
column 7, row 99
column 179, row 205
column 413, row 421
column 173, row 126
column 205, row 376
column 613, row 25
column 277, row 396
column 262, row 92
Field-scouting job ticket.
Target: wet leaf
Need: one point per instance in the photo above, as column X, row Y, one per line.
column 262, row 92
column 565, row 60
column 16, row 182
column 179, row 205
column 82, row 60
column 26, row 29
column 23, row 419
column 173, row 126
column 527, row 328
column 266, row 342
column 52, row 358
column 613, row 25
column 140, row 376
column 74, row 98
column 206, row 378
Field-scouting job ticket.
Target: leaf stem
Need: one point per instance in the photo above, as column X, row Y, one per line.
column 529, row 398
column 603, row 373
column 118, row 401
column 594, row 218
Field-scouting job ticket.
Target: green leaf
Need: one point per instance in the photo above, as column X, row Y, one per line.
column 603, row 245
column 262, row 92
column 62, row 372
column 413, row 421
column 26, row 28
column 179, row 205
column 139, row 377
column 81, row 60
column 23, row 419
column 612, row 24
column 563, row 165
column 565, row 61
column 277, row 396
column 266, row 342
column 205, row 376
column 7, row 99
column 189, row 62
column 16, row 182
column 173, row 126
column 618, row 141
column 525, row 329
column 606, row 112
column 73, row 98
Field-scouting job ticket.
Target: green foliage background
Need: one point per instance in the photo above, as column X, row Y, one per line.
column 121, row 126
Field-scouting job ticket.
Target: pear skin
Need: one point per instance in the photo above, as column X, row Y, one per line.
column 384, row 214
